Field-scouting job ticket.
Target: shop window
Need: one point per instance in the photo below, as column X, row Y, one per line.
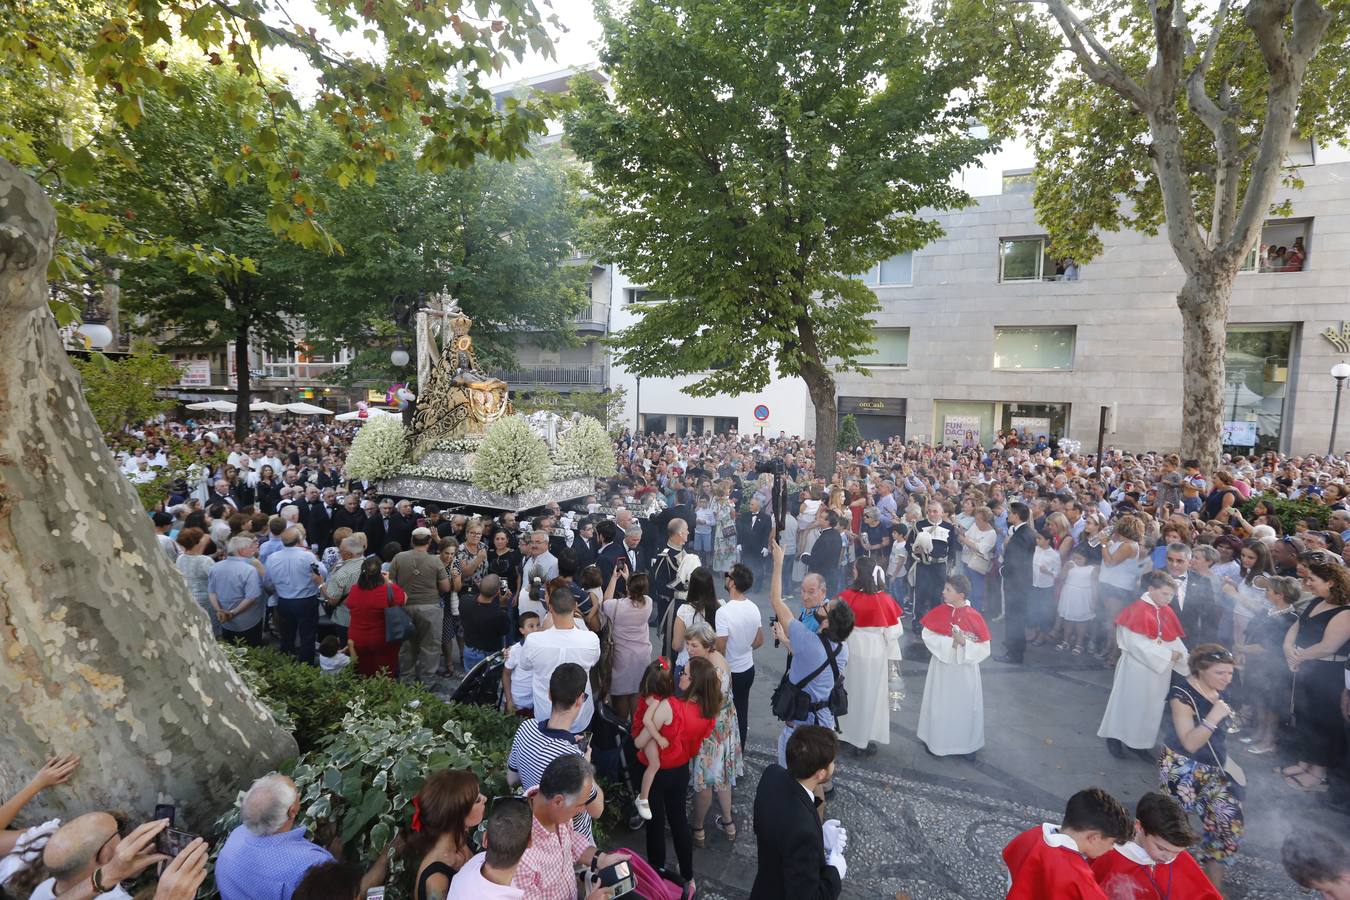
column 890, row 347
column 898, row 269
column 724, row 424
column 1029, row 259
column 1033, row 421
column 1256, row 360
column 1283, row 247
column 1034, row 348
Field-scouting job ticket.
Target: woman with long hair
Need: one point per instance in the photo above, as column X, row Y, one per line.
column 1241, row 594
column 873, row 644
column 1315, row 649
column 446, row 810
column 719, row 762
column 366, row 602
column 699, row 607
column 627, row 618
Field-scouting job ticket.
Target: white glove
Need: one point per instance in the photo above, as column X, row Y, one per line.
column 836, row 859
column 738, row 548
column 27, row 849
column 836, row 836
column 764, row 552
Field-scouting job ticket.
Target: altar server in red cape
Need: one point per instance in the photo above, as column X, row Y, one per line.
column 1149, row 636
column 951, row 717
column 1155, row 865
column 1047, row 862
column 873, row 644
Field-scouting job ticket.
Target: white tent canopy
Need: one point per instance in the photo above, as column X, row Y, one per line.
column 375, row 412
column 213, row 405
column 265, row 406
column 307, row 409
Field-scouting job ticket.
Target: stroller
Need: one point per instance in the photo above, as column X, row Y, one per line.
column 482, row 685
column 615, row 759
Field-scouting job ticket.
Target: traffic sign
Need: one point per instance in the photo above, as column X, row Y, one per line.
column 761, row 413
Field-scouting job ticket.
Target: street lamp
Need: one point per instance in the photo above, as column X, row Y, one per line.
column 399, row 357
column 1340, row 372
column 97, row 335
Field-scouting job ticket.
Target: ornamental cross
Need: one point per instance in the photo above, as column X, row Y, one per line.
column 1339, row 339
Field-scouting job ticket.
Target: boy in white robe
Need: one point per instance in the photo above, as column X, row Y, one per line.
column 951, row 717
column 1149, row 636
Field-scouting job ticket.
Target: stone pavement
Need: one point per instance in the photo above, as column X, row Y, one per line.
column 932, row 829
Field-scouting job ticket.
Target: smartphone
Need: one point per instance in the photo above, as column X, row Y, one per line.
column 619, row 878
column 584, row 741
column 171, row 841
column 375, row 893
column 165, row 811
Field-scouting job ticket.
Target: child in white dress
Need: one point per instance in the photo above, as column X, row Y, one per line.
column 1075, row 599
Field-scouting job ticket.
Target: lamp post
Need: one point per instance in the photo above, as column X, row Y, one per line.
column 637, row 405
column 399, row 357
column 1340, row 372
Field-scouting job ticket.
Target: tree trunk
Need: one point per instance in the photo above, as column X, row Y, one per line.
column 820, row 385
column 241, row 414
column 103, row 652
column 1204, row 318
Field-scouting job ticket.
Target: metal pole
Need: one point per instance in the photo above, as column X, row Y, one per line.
column 637, row 405
column 1101, row 437
column 1335, row 417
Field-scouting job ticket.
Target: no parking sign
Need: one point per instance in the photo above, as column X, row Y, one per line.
column 761, row 414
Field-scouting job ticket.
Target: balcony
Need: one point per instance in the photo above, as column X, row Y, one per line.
column 594, row 317
column 553, row 378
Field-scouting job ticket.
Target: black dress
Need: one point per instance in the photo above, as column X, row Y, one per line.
column 435, row 868
column 1266, row 677
column 1317, row 695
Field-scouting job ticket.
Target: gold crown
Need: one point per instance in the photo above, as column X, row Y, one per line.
column 461, row 324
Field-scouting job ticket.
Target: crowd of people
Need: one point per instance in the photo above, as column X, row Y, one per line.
column 644, row 601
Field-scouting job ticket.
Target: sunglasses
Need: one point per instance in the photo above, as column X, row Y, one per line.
column 1218, row 656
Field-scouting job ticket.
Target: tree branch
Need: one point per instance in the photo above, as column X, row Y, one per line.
column 1103, row 68
column 1209, row 111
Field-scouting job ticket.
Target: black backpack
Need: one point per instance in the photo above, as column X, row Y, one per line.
column 790, row 701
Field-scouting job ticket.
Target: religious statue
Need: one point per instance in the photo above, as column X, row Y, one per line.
column 455, row 398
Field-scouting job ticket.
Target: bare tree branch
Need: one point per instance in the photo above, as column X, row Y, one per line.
column 1102, row 68
column 1209, row 111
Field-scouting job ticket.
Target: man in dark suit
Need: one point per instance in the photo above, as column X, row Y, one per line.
column 380, row 527
column 1018, row 551
column 798, row 856
column 629, row 547
column 316, row 518
column 752, row 533
column 1194, row 601
column 349, row 514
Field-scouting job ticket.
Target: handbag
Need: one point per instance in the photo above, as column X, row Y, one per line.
column 398, row 625
column 791, row 703
column 1231, row 769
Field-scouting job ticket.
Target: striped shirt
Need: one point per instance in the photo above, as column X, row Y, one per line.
column 533, row 748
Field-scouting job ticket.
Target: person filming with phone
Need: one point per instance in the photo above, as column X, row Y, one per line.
column 547, row 870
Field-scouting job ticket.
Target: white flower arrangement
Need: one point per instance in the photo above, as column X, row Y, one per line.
column 587, row 448
column 380, row 448
column 512, row 459
column 441, row 473
column 466, row 444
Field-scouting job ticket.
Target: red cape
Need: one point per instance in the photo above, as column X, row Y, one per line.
column 1042, row 872
column 941, row 618
column 1121, row 878
column 872, row 610
column 1142, row 617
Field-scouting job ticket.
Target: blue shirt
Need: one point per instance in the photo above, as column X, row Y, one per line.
column 807, row 654
column 268, row 547
column 265, row 868
column 234, row 580
column 290, row 572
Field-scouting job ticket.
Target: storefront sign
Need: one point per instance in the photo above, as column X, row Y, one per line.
column 1032, row 425
column 195, row 373
column 872, row 406
column 374, row 396
column 1239, row 434
column 954, row 428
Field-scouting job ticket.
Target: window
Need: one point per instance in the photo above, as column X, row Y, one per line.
column 642, row 295
column 1019, row 181
column 1256, row 361
column 899, row 269
column 890, row 347
column 1028, row 259
column 1034, row 348
column 1283, row 247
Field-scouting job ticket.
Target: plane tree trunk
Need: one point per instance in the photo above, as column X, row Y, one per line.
column 102, row 651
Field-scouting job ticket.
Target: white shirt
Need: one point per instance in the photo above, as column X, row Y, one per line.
column 522, row 684
column 689, row 616
column 46, row 891
column 469, row 884
column 544, row 651
column 738, row 621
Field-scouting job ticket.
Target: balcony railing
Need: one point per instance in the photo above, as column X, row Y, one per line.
column 595, row 315
column 553, row 376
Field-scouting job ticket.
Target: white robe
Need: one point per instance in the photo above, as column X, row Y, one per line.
column 1134, row 710
column 870, row 651
column 951, row 718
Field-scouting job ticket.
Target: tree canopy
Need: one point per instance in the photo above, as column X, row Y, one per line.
column 754, row 153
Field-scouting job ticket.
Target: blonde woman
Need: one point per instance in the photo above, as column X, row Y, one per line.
column 1118, row 579
column 719, row 762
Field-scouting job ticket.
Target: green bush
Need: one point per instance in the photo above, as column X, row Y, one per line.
column 1290, row 512
column 366, row 745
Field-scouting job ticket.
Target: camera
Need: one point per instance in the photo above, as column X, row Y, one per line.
column 773, row 620
column 772, row 466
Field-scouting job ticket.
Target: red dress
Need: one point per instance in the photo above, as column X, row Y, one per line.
column 686, row 731
column 366, row 630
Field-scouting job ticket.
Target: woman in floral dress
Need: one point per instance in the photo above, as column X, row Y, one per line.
column 719, row 761
column 724, row 530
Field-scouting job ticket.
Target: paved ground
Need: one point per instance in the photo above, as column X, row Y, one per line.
column 932, row 828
